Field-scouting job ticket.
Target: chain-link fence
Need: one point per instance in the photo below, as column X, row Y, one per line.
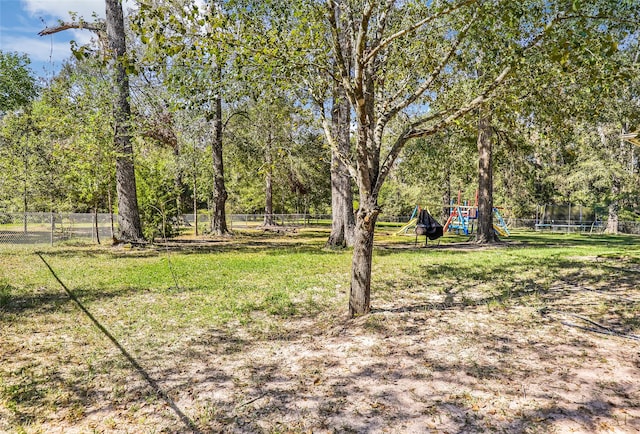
column 254, row 221
column 50, row 228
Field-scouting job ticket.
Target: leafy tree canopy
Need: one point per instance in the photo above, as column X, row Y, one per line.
column 17, row 84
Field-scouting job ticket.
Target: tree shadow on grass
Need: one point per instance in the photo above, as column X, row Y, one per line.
column 42, row 301
column 521, row 240
column 135, row 365
column 541, row 239
column 187, row 247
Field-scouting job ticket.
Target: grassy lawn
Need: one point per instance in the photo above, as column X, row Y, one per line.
column 250, row 334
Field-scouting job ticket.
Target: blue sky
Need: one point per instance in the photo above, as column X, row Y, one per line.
column 21, row 20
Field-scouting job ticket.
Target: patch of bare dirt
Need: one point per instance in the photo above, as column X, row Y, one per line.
column 422, row 370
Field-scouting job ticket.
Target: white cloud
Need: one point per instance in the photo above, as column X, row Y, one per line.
column 82, row 37
column 39, row 50
column 61, row 8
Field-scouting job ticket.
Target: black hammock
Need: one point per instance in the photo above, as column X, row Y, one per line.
column 428, row 226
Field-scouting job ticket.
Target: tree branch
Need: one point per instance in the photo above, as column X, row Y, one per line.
column 434, row 75
column 334, row 147
column 386, row 42
column 473, row 104
column 360, row 47
column 97, row 27
column 328, row 133
column 382, row 22
column 413, row 132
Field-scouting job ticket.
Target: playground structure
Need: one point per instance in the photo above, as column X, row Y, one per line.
column 461, row 220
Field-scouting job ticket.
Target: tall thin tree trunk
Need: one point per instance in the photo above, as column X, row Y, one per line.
column 24, row 204
column 446, row 197
column 268, row 203
column 95, row 220
column 195, row 201
column 485, row 233
column 128, row 213
column 614, row 207
column 219, row 217
column 113, row 232
column 268, row 189
column 178, row 182
column 25, row 190
column 342, row 217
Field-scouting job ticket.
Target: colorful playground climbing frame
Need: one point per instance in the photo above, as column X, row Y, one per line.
column 461, row 220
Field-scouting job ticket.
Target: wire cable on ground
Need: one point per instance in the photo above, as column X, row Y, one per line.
column 144, row 374
column 597, row 327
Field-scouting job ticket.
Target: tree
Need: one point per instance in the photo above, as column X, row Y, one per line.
column 191, row 44
column 21, row 154
column 113, row 32
column 388, row 73
column 74, row 120
column 588, row 97
column 342, row 216
column 17, row 91
column 128, row 214
column 271, row 138
column 380, row 85
column 17, row 84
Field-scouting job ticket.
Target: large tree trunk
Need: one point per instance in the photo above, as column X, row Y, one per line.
column 128, row 215
column 219, row 217
column 95, row 221
column 614, row 207
column 485, row 233
column 268, row 190
column 360, row 294
column 342, row 218
column 369, row 141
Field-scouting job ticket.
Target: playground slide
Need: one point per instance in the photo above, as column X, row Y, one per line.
column 405, row 228
column 500, row 231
